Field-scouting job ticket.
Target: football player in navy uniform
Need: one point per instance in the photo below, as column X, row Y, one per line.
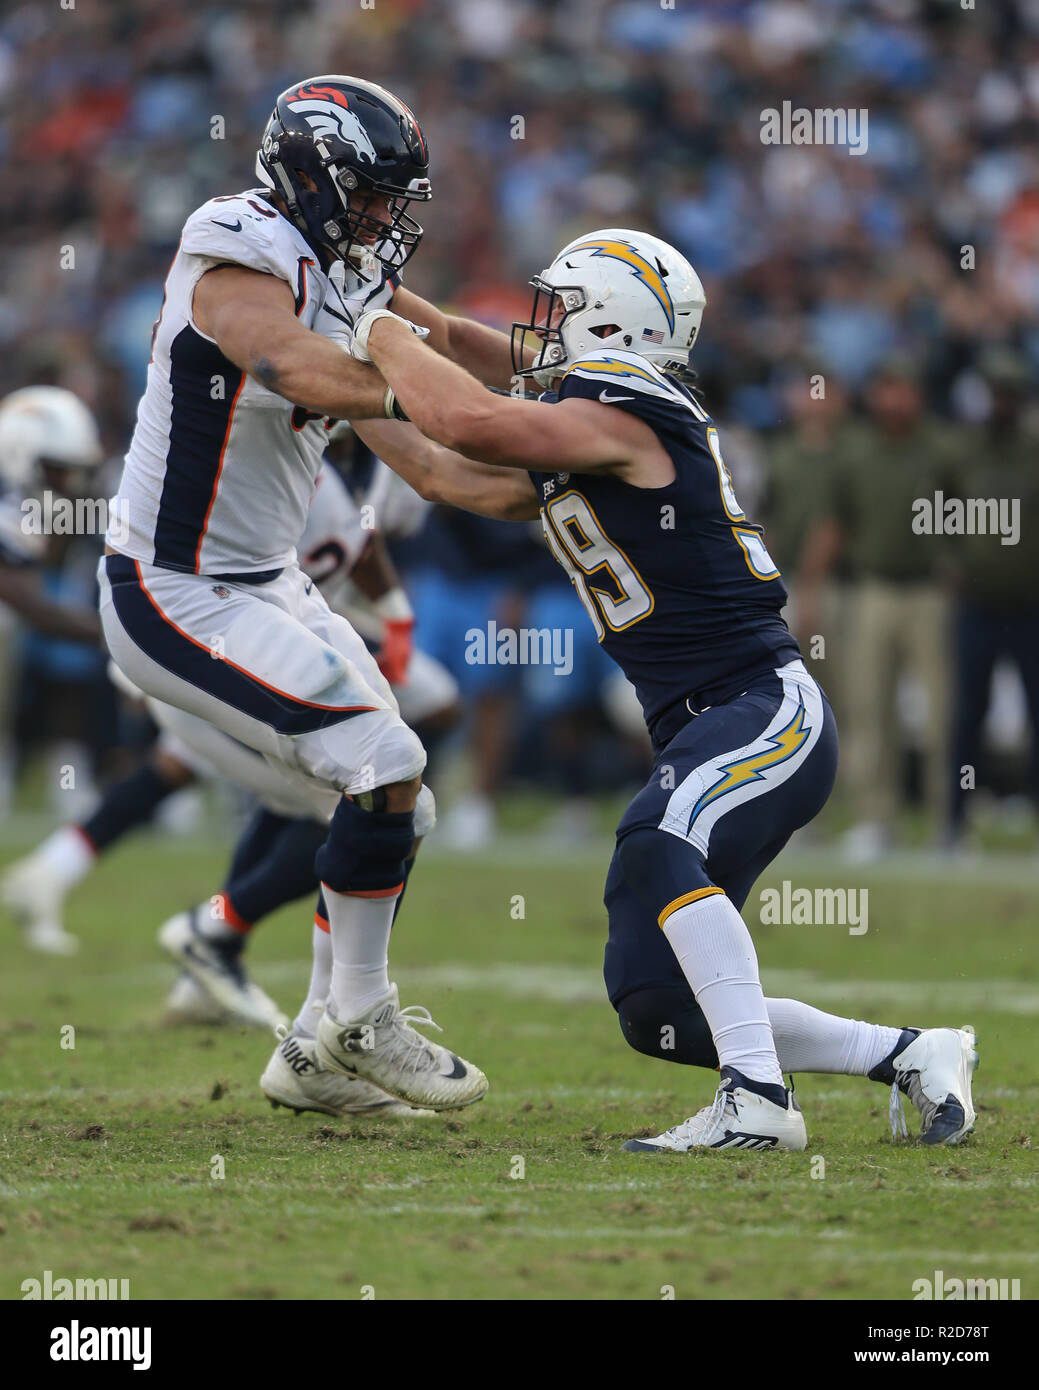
column 625, row 468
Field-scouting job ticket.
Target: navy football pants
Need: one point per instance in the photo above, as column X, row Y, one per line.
column 724, row 797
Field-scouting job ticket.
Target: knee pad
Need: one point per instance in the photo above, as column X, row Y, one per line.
column 365, row 850
column 669, row 1024
column 425, row 812
column 660, row 867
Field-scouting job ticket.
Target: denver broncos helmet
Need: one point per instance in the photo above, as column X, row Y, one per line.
column 356, row 142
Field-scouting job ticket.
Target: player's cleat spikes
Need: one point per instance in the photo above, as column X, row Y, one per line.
column 383, row 1046
column 935, row 1071
column 188, row 1003
column 216, row 965
column 32, row 895
column 292, row 1079
column 745, row 1115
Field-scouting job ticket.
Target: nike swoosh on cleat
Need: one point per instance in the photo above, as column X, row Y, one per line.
column 457, row 1071
column 950, row 1119
column 607, row 399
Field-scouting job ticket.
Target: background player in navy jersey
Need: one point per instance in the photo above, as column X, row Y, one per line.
column 627, row 474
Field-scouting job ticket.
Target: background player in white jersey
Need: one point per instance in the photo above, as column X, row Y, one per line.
column 204, row 606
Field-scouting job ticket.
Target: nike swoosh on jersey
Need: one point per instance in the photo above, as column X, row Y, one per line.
column 607, row 399
column 231, row 226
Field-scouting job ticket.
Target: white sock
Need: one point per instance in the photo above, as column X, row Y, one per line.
column 67, row 855
column 717, row 956
column 320, row 979
column 809, row 1040
column 360, row 930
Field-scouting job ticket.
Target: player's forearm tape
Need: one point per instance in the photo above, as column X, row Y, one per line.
column 364, row 325
column 391, row 407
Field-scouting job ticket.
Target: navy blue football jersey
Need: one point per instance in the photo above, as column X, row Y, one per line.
column 682, row 591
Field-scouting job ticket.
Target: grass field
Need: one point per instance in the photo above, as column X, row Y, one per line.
column 107, row 1148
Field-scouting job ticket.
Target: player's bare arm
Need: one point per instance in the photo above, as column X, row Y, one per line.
column 441, row 475
column 252, row 318
column 451, row 407
column 482, row 351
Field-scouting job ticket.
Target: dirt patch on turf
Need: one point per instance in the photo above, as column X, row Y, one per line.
column 95, row 1132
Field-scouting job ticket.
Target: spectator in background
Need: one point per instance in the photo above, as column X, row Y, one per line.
column 997, row 594
column 802, row 460
column 897, row 620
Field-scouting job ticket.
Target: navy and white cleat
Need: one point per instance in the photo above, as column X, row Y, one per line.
column 745, row 1115
column 935, row 1070
column 216, row 965
column 292, row 1079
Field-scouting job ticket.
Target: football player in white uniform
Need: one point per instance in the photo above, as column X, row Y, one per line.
column 203, row 603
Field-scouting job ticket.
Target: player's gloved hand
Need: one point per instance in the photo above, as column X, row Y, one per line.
column 398, row 625
column 363, row 326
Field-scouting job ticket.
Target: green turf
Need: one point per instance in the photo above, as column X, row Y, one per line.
column 105, row 1165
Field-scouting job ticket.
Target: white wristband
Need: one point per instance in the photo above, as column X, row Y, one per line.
column 393, row 606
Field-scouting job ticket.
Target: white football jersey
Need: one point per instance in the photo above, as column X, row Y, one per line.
column 221, row 471
column 397, row 510
column 334, row 537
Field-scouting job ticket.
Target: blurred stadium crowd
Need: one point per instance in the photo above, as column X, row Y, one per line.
column 871, row 336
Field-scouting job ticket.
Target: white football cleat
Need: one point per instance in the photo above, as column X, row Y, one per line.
column 216, row 965
column 187, row 1002
column 739, row 1119
column 935, row 1071
column 33, row 895
column 383, row 1047
column 292, row 1079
